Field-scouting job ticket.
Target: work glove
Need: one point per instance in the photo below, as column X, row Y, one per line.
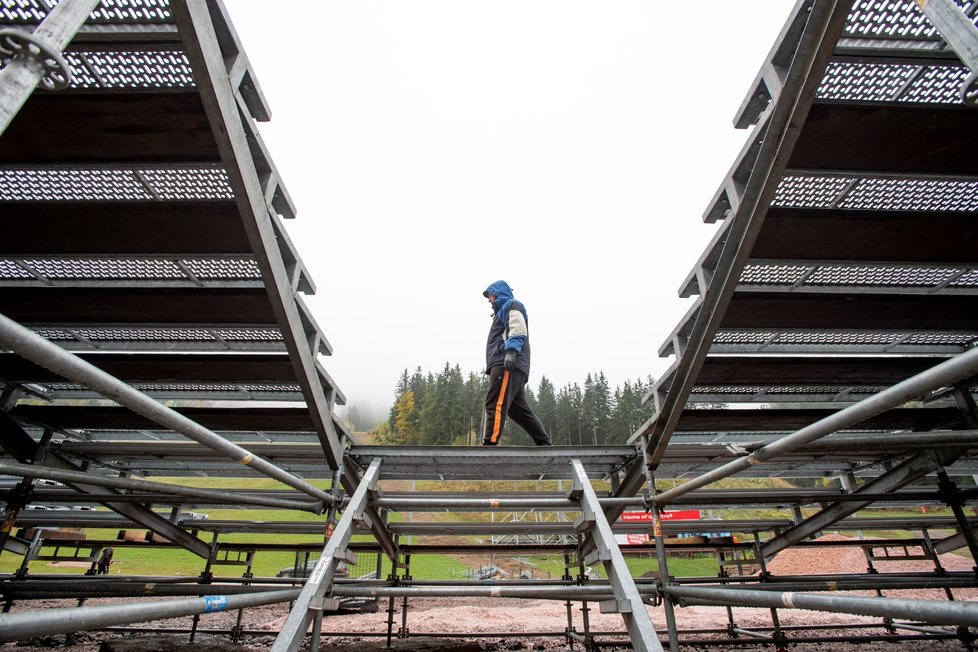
column 509, row 360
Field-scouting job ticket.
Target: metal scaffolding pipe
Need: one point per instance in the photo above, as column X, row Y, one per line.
column 862, row 582
column 942, row 375
column 28, row 624
column 25, row 71
column 103, row 587
column 950, row 438
column 28, row 344
column 934, row 612
column 589, row 593
column 214, row 495
column 497, row 504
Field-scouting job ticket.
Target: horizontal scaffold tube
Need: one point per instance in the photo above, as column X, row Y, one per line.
column 105, row 587
column 497, row 504
column 944, row 374
column 590, row 593
column 934, row 612
column 28, row 624
column 213, row 495
column 35, row 348
column 962, row 580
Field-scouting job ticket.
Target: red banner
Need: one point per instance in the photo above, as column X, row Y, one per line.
column 646, row 517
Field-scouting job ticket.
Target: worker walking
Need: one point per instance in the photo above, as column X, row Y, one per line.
column 508, row 367
column 104, row 562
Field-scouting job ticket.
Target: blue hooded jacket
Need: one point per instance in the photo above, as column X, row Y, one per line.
column 509, row 329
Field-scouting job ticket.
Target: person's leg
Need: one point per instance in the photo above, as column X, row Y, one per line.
column 521, row 413
column 498, row 399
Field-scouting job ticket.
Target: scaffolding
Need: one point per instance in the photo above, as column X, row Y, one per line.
column 153, row 324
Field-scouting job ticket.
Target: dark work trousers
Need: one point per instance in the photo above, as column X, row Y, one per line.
column 506, row 398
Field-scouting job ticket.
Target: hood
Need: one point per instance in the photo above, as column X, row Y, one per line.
column 504, row 296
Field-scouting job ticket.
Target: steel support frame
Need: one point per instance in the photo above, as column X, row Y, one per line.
column 961, row 34
column 935, row 612
column 26, row 450
column 28, row 344
column 321, row 579
column 628, row 600
column 138, row 514
column 953, row 542
column 23, row 73
column 903, row 474
column 29, row 624
column 780, row 127
column 208, row 59
column 944, row 374
column 159, row 488
column 256, row 205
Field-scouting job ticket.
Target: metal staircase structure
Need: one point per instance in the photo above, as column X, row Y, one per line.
column 152, row 325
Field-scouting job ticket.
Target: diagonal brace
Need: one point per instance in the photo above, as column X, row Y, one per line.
column 629, row 601
column 901, row 475
column 961, row 34
column 321, row 579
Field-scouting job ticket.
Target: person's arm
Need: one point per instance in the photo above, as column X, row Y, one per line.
column 516, row 331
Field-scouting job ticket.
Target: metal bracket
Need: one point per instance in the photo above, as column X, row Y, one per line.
column 324, row 604
column 596, row 555
column 615, row 607
column 15, row 44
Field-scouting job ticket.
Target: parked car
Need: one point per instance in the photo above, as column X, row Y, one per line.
column 363, row 605
column 347, row 603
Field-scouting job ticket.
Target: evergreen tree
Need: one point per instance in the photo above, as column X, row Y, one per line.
column 547, row 407
column 474, row 395
column 570, row 401
column 629, row 413
column 589, row 412
column 442, row 416
column 449, row 409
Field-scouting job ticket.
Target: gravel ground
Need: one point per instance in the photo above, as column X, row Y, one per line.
column 521, row 621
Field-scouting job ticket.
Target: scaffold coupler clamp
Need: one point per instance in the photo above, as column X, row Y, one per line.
column 16, row 44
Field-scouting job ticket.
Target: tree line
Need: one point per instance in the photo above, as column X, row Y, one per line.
column 448, row 409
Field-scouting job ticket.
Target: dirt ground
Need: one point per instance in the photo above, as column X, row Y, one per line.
column 520, row 620
column 520, row 624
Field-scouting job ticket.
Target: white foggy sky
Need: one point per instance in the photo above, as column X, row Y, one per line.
column 435, row 146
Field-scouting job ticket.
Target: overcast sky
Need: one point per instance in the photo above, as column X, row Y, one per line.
column 567, row 147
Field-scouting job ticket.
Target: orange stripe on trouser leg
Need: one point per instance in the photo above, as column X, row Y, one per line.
column 497, row 422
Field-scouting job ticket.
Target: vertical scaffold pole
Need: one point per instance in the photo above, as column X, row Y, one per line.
column 779, row 636
column 660, row 551
column 404, row 632
column 390, row 600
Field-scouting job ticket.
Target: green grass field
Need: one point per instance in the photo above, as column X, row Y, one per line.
column 156, row 561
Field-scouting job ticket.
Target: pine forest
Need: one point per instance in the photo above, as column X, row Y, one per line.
column 447, row 409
